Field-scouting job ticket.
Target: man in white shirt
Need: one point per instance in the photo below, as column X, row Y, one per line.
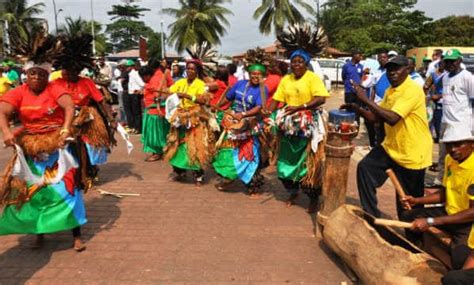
column 135, row 95
column 458, row 98
column 436, row 56
column 415, row 76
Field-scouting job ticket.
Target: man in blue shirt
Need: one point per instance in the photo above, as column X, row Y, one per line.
column 352, row 71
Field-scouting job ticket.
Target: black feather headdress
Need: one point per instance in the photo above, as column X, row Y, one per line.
column 77, row 52
column 303, row 36
column 203, row 52
column 258, row 56
column 36, row 47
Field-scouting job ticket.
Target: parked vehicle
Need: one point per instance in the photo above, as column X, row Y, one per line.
column 468, row 60
column 331, row 68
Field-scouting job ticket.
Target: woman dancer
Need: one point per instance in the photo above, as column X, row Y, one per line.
column 42, row 197
column 238, row 156
column 302, row 92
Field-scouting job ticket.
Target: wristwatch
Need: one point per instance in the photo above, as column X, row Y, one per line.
column 430, row 221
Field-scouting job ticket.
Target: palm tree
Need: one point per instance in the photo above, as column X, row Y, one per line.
column 21, row 17
column 198, row 21
column 74, row 27
column 276, row 13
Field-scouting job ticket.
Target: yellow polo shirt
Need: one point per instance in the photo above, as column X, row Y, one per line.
column 459, row 183
column 408, row 142
column 5, row 85
column 296, row 92
column 196, row 88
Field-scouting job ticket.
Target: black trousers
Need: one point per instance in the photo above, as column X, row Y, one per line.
column 459, row 277
column 133, row 110
column 371, row 175
column 459, row 250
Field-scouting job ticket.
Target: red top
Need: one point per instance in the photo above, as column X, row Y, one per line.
column 81, row 91
column 272, row 81
column 218, row 94
column 37, row 113
column 232, row 80
column 154, row 84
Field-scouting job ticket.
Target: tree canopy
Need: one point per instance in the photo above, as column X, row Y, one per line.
column 450, row 31
column 198, row 21
column 274, row 14
column 368, row 25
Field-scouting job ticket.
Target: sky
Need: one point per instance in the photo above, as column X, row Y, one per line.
column 243, row 31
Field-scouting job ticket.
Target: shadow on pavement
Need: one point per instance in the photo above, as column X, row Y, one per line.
column 20, row 263
column 116, row 170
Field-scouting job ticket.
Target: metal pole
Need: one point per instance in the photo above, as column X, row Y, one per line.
column 163, row 55
column 92, row 28
column 55, row 17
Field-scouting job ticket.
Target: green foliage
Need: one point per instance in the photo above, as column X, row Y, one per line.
column 126, row 29
column 368, row 25
column 154, row 45
column 198, row 21
column 77, row 26
column 276, row 13
column 451, row 31
column 21, row 17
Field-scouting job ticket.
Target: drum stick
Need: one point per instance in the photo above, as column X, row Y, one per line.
column 397, row 185
column 392, row 223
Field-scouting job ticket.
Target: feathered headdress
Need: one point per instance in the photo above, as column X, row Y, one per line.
column 36, row 48
column 304, row 40
column 77, row 52
column 202, row 52
column 258, row 56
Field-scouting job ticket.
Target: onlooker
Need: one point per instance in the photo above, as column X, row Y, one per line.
column 434, row 89
column 105, row 70
column 392, row 53
column 218, row 87
column 232, row 69
column 436, row 58
column 176, row 72
column 407, row 145
column 135, row 94
column 5, row 84
column 415, row 76
column 273, row 78
column 458, row 96
column 352, row 72
column 10, row 72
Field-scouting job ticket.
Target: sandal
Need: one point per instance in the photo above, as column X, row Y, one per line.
column 221, row 186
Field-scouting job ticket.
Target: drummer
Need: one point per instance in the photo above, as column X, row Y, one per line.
column 407, row 145
column 457, row 215
column 239, row 153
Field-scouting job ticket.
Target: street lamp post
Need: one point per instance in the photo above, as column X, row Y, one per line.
column 92, row 29
column 56, row 13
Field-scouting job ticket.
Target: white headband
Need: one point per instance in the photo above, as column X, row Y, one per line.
column 45, row 66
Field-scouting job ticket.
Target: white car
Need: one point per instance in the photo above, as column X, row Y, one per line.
column 332, row 68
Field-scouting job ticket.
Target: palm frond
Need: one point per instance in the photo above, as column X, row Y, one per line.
column 203, row 52
column 36, row 45
column 258, row 56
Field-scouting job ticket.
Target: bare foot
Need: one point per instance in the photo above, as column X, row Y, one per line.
column 39, row 241
column 255, row 196
column 291, row 200
column 78, row 245
column 153, row 157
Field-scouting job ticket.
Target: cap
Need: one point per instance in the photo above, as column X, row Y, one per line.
column 129, row 62
column 122, row 62
column 425, row 59
column 392, row 53
column 452, row 54
column 456, row 133
column 399, row 60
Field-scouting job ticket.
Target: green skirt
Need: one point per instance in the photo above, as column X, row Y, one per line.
column 181, row 157
column 224, row 164
column 154, row 132
column 291, row 164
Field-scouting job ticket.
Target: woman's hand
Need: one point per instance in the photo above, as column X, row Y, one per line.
column 62, row 140
column 8, row 139
column 291, row 109
column 238, row 116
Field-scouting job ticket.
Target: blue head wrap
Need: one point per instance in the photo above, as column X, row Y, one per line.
column 302, row 53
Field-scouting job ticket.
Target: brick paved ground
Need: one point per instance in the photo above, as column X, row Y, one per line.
column 178, row 234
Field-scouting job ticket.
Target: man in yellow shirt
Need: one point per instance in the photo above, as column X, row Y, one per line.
column 457, row 215
column 407, row 146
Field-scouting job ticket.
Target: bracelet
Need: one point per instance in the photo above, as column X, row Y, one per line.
column 193, row 98
column 63, row 131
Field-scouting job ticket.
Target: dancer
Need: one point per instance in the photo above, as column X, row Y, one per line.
column 238, row 156
column 155, row 127
column 301, row 153
column 190, row 144
column 42, row 197
column 94, row 115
